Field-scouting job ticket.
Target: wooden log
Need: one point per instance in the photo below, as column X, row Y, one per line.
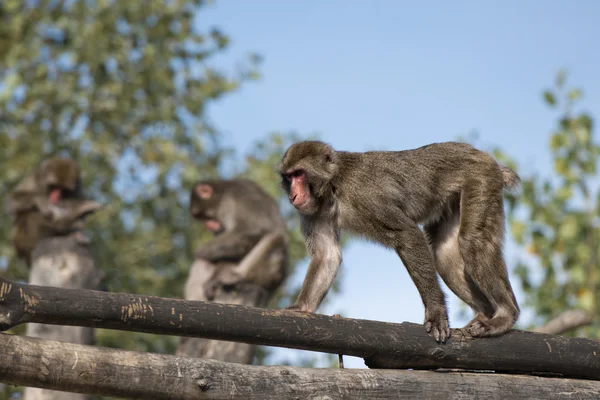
column 137, row 375
column 383, row 345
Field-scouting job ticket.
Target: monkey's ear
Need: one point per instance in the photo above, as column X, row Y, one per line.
column 204, row 191
column 328, row 157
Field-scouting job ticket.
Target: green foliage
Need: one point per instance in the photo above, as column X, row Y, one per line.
column 123, row 88
column 556, row 219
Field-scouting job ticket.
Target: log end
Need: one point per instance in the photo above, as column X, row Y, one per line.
column 11, row 306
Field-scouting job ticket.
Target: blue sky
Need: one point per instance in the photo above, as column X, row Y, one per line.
column 393, row 75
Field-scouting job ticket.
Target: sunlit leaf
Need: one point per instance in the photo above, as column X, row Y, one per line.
column 561, row 77
column 557, row 140
column 586, row 299
column 549, row 97
column 575, row 94
column 518, row 229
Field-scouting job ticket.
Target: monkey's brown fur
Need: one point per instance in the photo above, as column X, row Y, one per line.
column 33, row 190
column 37, row 215
column 250, row 242
column 453, row 189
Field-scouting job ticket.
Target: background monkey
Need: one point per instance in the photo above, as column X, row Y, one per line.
column 49, row 202
column 243, row 264
column 250, row 243
column 453, row 189
column 53, row 180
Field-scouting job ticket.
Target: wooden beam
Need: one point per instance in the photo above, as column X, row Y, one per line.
column 383, row 345
column 136, row 375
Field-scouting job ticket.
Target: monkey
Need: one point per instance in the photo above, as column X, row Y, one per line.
column 452, row 189
column 48, row 202
column 54, row 179
column 250, row 236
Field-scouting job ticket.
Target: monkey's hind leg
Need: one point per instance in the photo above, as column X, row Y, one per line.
column 443, row 238
column 480, row 240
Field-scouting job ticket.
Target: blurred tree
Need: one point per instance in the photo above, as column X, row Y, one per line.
column 123, row 88
column 556, row 218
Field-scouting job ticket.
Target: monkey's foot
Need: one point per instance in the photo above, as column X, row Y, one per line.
column 436, row 323
column 299, row 308
column 481, row 326
column 225, row 278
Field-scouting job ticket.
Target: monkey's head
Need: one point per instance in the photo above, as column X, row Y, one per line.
column 307, row 170
column 204, row 205
column 61, row 178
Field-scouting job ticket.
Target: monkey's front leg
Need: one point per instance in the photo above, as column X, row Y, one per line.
column 420, row 264
column 325, row 259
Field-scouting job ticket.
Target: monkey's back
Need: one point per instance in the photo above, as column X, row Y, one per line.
column 418, row 183
column 253, row 207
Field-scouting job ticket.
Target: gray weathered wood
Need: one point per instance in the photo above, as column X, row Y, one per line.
column 383, row 345
column 136, row 375
column 242, row 294
column 61, row 262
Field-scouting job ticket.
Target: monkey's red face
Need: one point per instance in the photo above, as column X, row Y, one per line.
column 55, row 196
column 204, row 208
column 299, row 193
column 213, row 225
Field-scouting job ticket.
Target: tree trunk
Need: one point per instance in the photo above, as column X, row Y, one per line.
column 66, row 263
column 242, row 294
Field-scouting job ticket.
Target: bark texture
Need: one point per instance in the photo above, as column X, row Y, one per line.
column 382, row 344
column 136, row 375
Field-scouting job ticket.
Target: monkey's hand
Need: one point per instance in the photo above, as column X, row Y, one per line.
column 225, row 277
column 436, row 323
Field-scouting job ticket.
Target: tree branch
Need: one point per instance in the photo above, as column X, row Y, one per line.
column 383, row 345
column 135, row 375
column 564, row 322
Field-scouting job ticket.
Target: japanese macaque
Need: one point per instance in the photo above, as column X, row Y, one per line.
column 454, row 190
column 250, row 242
column 53, row 180
column 49, row 202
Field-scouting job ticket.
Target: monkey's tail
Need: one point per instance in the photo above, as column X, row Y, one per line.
column 512, row 181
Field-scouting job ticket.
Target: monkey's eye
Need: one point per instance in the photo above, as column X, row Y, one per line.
column 299, row 173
